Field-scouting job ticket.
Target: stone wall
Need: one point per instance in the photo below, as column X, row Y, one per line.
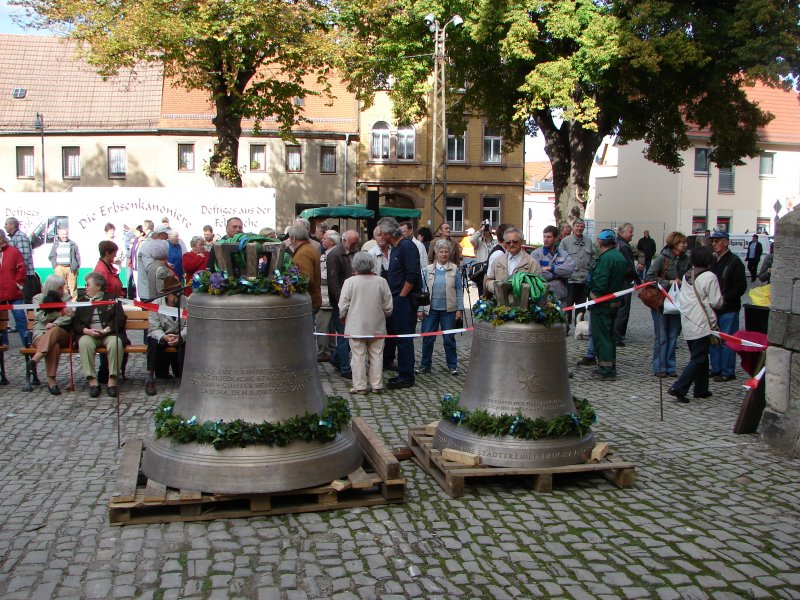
column 781, row 420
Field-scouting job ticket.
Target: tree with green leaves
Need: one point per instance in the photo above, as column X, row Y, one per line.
column 575, row 71
column 253, row 57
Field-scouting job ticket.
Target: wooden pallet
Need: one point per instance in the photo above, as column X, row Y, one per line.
column 451, row 475
column 138, row 500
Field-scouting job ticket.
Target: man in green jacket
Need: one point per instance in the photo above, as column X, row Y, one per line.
column 607, row 277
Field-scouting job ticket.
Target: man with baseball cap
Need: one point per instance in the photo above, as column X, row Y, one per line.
column 608, row 276
column 732, row 278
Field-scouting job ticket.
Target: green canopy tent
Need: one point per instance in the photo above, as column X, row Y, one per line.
column 359, row 211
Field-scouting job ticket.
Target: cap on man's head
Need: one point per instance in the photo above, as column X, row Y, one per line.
column 161, row 229
column 607, row 235
column 720, row 235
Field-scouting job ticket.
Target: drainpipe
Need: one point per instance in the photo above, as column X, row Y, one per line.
column 346, row 146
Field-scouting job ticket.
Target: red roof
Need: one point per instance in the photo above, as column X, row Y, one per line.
column 69, row 93
column 783, row 104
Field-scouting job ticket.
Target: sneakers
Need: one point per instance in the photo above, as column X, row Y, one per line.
column 355, row 391
column 455, row 372
column 587, row 361
column 419, row 370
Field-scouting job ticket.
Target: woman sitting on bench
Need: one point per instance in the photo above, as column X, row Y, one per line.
column 100, row 326
column 51, row 330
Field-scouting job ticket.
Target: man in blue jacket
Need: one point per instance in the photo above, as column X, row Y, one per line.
column 403, row 278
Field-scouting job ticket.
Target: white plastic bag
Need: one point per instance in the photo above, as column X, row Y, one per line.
column 672, row 307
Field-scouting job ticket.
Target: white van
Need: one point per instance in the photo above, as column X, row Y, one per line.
column 85, row 212
column 738, row 243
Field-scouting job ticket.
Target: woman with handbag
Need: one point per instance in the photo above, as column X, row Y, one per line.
column 699, row 296
column 51, row 330
column 668, row 270
column 442, row 279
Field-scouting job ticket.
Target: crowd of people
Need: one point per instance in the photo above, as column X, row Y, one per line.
column 388, row 285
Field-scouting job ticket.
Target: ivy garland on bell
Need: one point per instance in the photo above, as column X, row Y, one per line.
column 482, row 423
column 308, row 427
column 543, row 307
column 285, row 283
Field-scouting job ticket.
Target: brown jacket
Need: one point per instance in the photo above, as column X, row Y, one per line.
column 307, row 260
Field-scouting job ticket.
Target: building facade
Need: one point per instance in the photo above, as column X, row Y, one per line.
column 702, row 196
column 485, row 176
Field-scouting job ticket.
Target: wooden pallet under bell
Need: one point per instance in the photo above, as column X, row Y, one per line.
column 451, row 475
column 138, row 500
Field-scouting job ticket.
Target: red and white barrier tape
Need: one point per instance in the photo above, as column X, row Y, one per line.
column 752, row 383
column 52, row 305
column 170, row 311
column 607, row 297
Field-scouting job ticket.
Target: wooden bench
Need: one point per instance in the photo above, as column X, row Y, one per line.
column 138, row 320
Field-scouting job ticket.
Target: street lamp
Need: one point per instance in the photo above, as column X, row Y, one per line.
column 38, row 124
column 439, row 112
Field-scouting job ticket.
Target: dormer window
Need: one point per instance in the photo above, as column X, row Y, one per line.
column 19, row 93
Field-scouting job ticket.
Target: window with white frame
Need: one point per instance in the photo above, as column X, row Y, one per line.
column 117, row 162
column 258, row 157
column 70, row 162
column 490, row 211
column 492, row 145
column 766, row 164
column 726, row 180
column 379, row 148
column 763, row 224
column 327, row 159
column 701, row 161
column 294, row 159
column 185, row 157
column 25, row 164
column 405, row 143
column 456, row 146
column 454, row 212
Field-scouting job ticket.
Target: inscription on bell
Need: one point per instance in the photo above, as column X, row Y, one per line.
column 251, row 382
column 499, row 406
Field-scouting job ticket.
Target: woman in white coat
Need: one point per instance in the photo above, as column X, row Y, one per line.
column 364, row 304
column 699, row 296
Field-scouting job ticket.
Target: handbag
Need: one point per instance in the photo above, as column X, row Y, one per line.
column 420, row 297
column 651, row 296
column 713, row 340
column 672, row 307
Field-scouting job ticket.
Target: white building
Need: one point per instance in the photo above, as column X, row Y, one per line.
column 628, row 187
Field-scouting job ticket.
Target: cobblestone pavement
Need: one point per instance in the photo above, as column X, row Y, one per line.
column 712, row 515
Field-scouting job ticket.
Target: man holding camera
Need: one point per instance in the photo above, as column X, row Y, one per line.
column 483, row 241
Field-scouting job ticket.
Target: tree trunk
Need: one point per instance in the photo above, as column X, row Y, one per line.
column 228, row 124
column 571, row 149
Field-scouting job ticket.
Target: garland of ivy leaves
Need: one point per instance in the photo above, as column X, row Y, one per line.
column 308, row 427
column 519, row 426
column 543, row 306
column 280, row 283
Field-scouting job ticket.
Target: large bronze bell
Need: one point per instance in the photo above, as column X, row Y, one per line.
column 517, row 367
column 250, row 357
